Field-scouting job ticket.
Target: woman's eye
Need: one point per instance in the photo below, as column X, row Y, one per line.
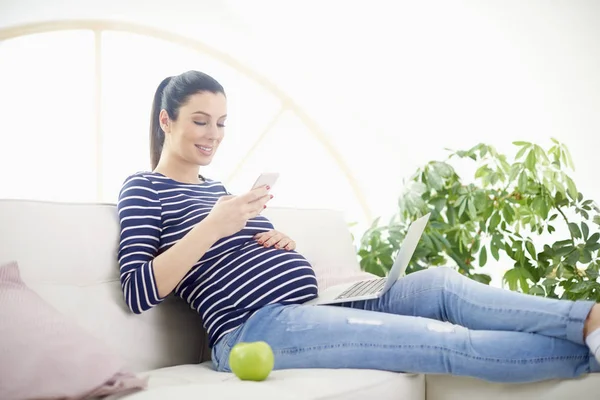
column 199, row 123
column 221, row 125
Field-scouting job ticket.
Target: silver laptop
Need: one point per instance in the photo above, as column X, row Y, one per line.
column 375, row 288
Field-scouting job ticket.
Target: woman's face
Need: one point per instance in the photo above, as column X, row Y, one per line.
column 199, row 129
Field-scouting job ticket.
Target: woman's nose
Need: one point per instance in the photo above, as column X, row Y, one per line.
column 213, row 132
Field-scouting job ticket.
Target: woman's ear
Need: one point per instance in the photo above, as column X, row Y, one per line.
column 165, row 123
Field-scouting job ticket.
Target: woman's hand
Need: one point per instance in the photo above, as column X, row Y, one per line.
column 230, row 213
column 276, row 239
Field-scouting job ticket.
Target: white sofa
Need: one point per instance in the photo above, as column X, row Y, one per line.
column 67, row 254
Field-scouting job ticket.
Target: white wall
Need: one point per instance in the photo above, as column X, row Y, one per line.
column 404, row 81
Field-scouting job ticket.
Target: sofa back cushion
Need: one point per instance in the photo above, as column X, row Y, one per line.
column 67, row 253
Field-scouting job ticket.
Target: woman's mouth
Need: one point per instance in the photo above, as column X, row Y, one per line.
column 205, row 150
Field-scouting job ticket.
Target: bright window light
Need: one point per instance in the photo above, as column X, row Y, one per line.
column 48, row 137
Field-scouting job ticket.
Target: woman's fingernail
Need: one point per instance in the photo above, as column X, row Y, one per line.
column 268, row 187
column 265, row 206
column 271, row 196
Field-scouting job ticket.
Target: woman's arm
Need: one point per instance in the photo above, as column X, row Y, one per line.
column 146, row 277
column 171, row 266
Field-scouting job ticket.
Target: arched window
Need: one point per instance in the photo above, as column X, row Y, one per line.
column 76, row 100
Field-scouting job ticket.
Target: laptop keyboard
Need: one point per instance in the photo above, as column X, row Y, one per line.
column 363, row 288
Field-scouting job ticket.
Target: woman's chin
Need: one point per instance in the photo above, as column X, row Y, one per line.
column 203, row 161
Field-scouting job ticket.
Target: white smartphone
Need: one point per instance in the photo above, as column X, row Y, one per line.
column 266, row 178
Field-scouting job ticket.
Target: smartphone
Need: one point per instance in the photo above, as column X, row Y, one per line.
column 266, row 178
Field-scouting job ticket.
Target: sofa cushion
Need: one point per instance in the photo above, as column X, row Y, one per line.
column 444, row 387
column 46, row 355
column 201, row 381
column 67, row 253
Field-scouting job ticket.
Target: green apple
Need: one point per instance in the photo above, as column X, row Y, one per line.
column 251, row 361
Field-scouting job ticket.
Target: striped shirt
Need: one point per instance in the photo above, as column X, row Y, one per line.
column 234, row 278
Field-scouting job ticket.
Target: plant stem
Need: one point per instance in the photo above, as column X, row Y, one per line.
column 473, row 241
column 567, row 222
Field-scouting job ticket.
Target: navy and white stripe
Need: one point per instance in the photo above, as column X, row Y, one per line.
column 234, row 278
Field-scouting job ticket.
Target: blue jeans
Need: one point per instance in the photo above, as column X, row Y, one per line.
column 493, row 334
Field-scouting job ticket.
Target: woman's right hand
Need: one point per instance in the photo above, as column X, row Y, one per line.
column 230, row 213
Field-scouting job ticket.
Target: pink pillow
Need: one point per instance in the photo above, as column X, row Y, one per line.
column 46, row 355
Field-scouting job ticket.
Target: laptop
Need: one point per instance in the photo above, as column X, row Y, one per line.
column 374, row 288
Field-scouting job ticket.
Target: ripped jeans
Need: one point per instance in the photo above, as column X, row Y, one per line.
column 434, row 321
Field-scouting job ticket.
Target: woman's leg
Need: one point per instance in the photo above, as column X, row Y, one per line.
column 445, row 295
column 341, row 337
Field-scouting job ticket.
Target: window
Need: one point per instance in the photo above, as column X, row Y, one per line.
column 47, row 136
column 79, row 105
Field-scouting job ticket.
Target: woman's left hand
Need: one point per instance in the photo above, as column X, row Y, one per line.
column 276, row 239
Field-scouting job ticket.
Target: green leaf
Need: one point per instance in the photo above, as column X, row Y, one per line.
column 514, row 171
column 511, row 277
column 571, row 188
column 521, row 143
column 560, row 188
column 494, row 249
column 585, row 230
column 443, row 169
column 573, row 257
column 574, row 229
column 522, row 185
column 540, row 207
column 593, row 239
column 541, row 154
column 585, row 257
column 567, row 158
column 494, row 221
column 461, row 209
column 537, row 290
column 520, row 153
column 483, row 278
column 592, row 271
column 563, row 251
column 508, row 214
column 549, row 282
column 482, row 256
column 482, row 171
column 581, row 287
column 434, row 180
column 531, row 250
column 472, row 209
column 530, row 161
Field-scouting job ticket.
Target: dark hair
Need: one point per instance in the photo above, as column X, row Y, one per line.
column 172, row 93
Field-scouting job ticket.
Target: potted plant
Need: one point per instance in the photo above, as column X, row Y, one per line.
column 508, row 210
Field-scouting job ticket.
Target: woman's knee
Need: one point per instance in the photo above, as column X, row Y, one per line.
column 440, row 276
column 441, row 272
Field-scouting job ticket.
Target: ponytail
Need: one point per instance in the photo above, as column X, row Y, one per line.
column 157, row 135
column 171, row 95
